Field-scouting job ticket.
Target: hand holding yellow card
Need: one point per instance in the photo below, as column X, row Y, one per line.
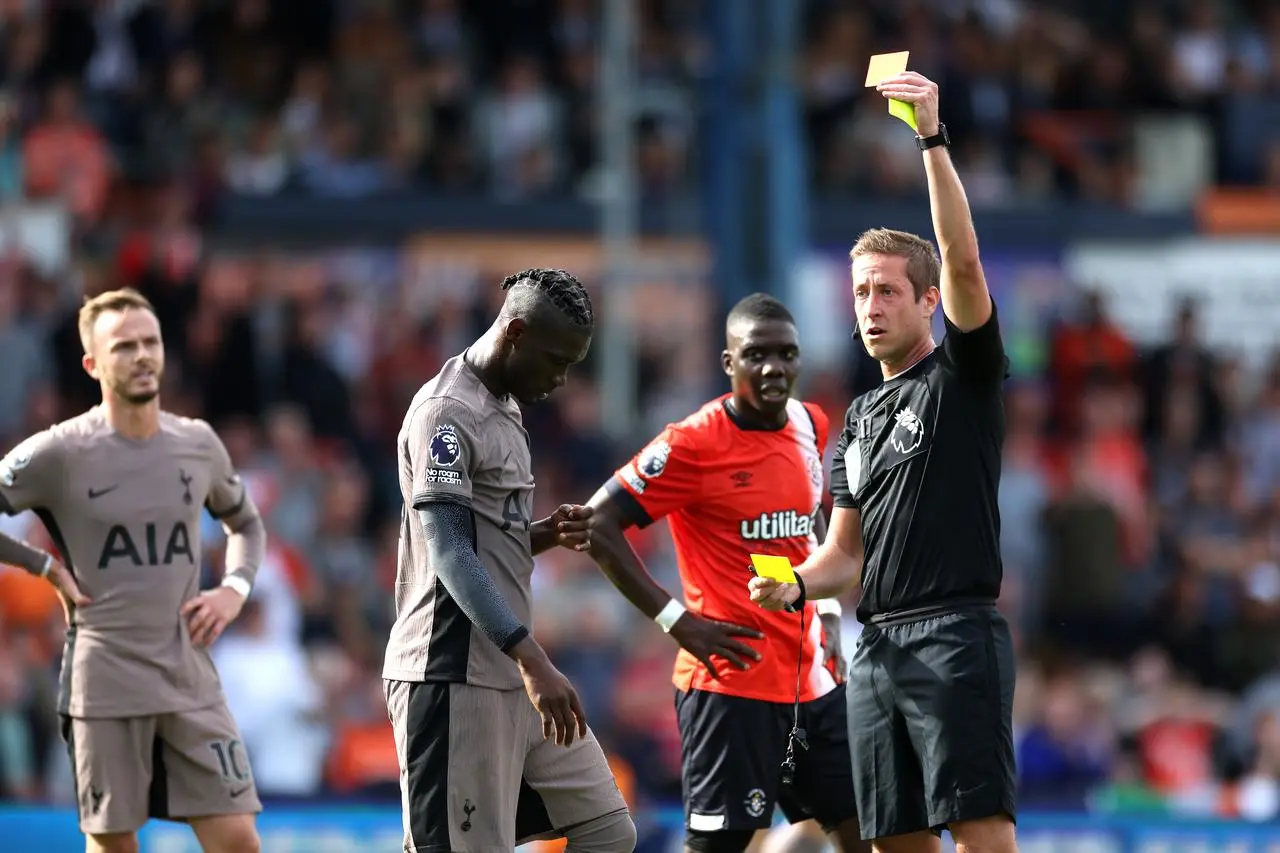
column 774, row 568
column 882, row 67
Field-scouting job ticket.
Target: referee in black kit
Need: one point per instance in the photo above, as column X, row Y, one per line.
column 914, row 482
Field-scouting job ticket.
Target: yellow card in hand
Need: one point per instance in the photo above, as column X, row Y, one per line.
column 904, row 111
column 775, row 568
column 886, row 65
column 882, row 67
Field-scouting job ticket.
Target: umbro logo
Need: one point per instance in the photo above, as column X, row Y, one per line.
column 741, row 479
column 97, row 493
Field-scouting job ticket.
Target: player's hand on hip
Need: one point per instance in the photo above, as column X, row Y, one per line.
column 920, row 92
column 572, row 524
column 210, row 612
column 703, row 638
column 65, row 583
column 773, row 595
column 552, row 695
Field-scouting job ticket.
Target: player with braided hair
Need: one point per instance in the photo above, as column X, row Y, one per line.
column 482, row 767
column 561, row 288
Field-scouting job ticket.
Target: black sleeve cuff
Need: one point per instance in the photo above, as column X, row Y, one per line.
column 516, row 636
column 423, row 499
column 628, row 506
column 798, row 604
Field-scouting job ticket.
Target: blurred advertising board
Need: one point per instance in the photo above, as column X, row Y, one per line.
column 1028, row 286
column 1236, row 282
column 339, row 828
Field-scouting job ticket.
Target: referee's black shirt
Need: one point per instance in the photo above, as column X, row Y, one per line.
column 919, row 457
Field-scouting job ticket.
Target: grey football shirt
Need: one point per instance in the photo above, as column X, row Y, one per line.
column 460, row 443
column 125, row 516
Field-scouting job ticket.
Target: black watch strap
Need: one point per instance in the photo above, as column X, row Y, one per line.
column 924, row 143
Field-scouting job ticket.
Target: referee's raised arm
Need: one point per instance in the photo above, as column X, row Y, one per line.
column 965, row 299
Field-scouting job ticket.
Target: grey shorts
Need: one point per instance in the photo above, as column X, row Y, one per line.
column 476, row 775
column 169, row 766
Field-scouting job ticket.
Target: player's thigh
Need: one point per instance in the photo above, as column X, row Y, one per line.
column 887, row 784
column 823, row 785
column 460, row 750
column 732, row 751
column 203, row 767
column 563, row 787
column 957, row 684
column 112, row 766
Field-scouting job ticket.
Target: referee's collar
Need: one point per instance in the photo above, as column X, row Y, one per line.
column 906, row 371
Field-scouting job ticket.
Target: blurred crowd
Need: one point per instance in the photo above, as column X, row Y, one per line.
column 1141, row 493
column 347, row 98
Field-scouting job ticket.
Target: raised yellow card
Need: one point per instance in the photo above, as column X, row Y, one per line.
column 775, row 568
column 904, row 111
column 886, row 65
column 882, row 67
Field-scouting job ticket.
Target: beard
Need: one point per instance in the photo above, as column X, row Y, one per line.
column 140, row 398
column 135, row 398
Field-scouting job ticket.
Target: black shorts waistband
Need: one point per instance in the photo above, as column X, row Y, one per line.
column 931, row 611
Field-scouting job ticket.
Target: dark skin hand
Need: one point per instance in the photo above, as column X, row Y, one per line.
column 568, row 527
column 705, row 639
column 551, row 693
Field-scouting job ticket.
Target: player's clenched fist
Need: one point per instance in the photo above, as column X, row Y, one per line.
column 572, row 526
column 772, row 595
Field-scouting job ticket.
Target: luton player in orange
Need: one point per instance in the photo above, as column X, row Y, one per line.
column 741, row 475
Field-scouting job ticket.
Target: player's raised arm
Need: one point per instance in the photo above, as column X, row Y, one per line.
column 965, row 299
column 27, row 474
column 662, row 477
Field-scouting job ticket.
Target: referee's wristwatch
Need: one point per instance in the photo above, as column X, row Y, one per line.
column 924, row 143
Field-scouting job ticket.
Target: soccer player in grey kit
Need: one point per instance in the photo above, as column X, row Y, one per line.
column 493, row 743
column 121, row 489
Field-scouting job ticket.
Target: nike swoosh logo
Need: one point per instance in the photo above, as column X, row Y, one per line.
column 97, row 493
column 240, row 791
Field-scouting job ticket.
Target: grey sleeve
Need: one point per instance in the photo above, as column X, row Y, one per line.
column 448, row 526
column 246, row 544
column 15, row 552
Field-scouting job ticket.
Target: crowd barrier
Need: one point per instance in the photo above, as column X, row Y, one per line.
column 342, row 828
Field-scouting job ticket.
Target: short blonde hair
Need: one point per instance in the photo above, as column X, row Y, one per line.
column 924, row 268
column 112, row 300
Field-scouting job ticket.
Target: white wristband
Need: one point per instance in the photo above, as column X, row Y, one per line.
column 237, row 583
column 667, row 618
column 828, row 607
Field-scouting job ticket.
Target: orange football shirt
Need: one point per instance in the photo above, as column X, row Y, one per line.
column 728, row 491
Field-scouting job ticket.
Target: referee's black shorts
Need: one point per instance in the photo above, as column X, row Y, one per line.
column 732, row 761
column 931, row 722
